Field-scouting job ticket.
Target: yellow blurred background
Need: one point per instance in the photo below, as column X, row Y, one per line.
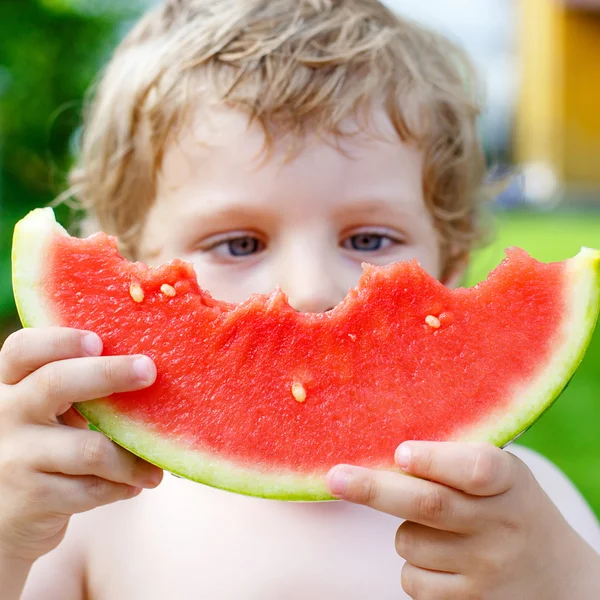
column 558, row 116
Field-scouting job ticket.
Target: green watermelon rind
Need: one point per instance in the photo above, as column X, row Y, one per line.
column 31, row 239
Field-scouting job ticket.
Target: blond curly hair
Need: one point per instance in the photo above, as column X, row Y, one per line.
column 291, row 64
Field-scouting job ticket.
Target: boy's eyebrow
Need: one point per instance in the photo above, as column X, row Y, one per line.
column 221, row 209
column 397, row 205
column 241, row 211
column 227, row 214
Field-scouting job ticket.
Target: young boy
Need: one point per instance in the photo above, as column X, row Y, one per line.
column 274, row 142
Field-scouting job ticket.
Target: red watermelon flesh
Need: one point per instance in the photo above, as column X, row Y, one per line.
column 260, row 399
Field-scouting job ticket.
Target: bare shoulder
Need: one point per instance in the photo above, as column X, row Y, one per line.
column 563, row 493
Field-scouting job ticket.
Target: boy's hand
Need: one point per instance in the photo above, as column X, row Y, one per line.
column 49, row 470
column 478, row 525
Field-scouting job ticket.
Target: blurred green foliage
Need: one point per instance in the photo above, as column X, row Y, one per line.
column 50, row 51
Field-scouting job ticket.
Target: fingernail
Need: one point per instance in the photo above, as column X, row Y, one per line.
column 135, row 491
column 338, row 481
column 402, row 456
column 144, row 369
column 91, row 344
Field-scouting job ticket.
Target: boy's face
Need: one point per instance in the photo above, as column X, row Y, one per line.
column 250, row 223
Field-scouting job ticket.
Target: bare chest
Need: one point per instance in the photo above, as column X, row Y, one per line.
column 185, row 541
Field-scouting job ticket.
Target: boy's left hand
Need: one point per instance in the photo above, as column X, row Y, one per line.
column 478, row 525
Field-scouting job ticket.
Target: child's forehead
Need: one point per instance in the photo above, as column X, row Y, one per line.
column 219, row 134
column 218, row 166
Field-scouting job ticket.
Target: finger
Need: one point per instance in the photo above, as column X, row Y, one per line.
column 74, row 419
column 429, row 548
column 477, row 469
column 71, row 495
column 406, row 497
column 27, row 350
column 51, row 390
column 423, row 584
column 81, row 452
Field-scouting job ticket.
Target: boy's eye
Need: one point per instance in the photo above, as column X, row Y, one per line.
column 236, row 247
column 367, row 242
column 244, row 246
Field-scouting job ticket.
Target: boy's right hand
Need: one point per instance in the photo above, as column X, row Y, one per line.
column 49, row 470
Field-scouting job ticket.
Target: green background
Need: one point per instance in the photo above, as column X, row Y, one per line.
column 49, row 53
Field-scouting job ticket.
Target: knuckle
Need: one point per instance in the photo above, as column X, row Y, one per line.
column 405, row 541
column 491, row 565
column 6, row 408
column 520, row 471
column 367, row 489
column 11, row 464
column 37, row 496
column 423, row 460
column 112, row 372
column 430, row 505
column 13, row 348
column 62, row 342
column 98, row 489
column 49, row 382
column 510, row 523
column 488, row 564
column 95, row 452
column 483, row 467
column 409, row 581
column 137, row 468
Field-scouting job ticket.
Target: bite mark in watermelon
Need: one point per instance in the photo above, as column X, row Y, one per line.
column 259, row 399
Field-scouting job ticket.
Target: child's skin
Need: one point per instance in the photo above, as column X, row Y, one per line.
column 477, row 523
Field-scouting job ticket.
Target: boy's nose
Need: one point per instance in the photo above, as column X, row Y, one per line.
column 311, row 282
column 313, row 303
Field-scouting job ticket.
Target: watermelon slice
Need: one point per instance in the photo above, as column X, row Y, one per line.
column 259, row 399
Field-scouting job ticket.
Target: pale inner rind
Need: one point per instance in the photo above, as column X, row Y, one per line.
column 32, row 238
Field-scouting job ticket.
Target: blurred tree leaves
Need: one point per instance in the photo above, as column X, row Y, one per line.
column 50, row 52
column 96, row 8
